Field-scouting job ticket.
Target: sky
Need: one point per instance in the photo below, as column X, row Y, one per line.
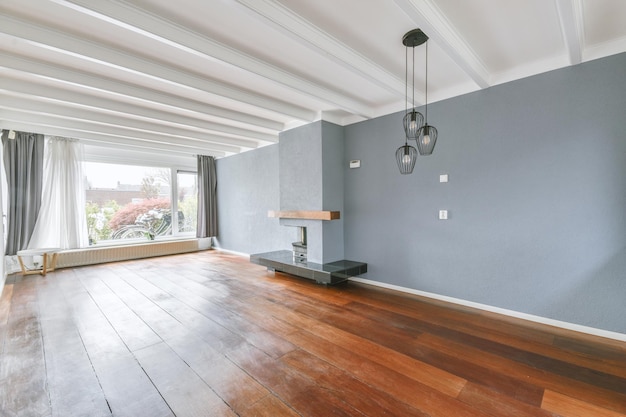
column 108, row 175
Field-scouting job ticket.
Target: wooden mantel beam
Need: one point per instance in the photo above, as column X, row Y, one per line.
column 305, row 214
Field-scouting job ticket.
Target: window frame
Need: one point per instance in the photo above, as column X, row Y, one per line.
column 106, row 155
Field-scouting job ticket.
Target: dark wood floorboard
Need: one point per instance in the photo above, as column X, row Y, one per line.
column 128, row 389
column 210, row 334
column 73, row 386
column 23, row 380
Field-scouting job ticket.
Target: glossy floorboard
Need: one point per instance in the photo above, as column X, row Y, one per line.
column 210, row 334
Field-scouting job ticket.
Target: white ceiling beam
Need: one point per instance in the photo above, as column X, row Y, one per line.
column 97, row 151
column 65, row 111
column 171, row 34
column 439, row 29
column 115, row 59
column 104, row 140
column 310, row 36
column 111, row 142
column 123, row 135
column 34, row 89
column 571, row 19
column 124, row 89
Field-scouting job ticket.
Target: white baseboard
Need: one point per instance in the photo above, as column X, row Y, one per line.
column 231, row 252
column 530, row 317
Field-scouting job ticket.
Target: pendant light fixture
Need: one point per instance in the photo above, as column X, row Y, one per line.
column 413, row 120
column 427, row 134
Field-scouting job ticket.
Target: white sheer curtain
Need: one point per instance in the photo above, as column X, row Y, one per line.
column 61, row 222
column 3, row 275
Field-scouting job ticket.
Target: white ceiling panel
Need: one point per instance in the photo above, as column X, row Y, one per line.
column 506, row 34
column 225, row 76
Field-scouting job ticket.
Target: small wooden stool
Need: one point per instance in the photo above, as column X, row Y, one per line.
column 49, row 260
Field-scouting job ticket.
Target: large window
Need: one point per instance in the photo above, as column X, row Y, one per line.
column 135, row 202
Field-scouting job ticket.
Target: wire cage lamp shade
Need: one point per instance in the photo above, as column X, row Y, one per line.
column 406, row 156
column 413, row 122
column 427, row 139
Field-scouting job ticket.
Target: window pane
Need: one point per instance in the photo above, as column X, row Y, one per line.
column 187, row 202
column 127, row 202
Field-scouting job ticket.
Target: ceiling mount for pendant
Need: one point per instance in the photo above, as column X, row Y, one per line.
column 414, row 38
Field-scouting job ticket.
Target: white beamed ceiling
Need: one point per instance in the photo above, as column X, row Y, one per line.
column 220, row 77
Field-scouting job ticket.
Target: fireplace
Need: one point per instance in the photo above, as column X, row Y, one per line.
column 299, row 248
column 311, row 188
column 308, row 262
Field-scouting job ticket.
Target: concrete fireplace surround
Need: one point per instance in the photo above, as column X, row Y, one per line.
column 311, row 172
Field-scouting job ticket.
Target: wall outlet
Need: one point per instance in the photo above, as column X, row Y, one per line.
column 355, row 163
column 443, row 214
column 443, row 178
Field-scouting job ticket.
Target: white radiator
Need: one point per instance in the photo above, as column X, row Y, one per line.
column 90, row 256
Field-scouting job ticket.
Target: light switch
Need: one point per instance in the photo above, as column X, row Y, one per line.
column 443, row 214
column 443, row 178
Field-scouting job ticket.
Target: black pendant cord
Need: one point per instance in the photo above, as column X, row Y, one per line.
column 406, row 87
column 426, row 88
column 413, row 85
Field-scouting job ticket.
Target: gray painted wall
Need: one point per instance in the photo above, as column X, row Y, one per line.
column 300, row 182
column 333, row 164
column 300, row 169
column 536, row 198
column 311, row 178
column 247, row 188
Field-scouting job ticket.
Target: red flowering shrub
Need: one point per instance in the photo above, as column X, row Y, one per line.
column 131, row 211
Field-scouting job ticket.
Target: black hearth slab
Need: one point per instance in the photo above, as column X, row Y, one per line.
column 330, row 273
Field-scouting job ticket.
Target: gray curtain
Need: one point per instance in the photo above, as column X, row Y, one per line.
column 23, row 164
column 207, row 202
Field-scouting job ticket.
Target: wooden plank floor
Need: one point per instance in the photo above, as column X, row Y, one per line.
column 209, row 334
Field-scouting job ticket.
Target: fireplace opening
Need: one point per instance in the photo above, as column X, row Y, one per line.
column 299, row 248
